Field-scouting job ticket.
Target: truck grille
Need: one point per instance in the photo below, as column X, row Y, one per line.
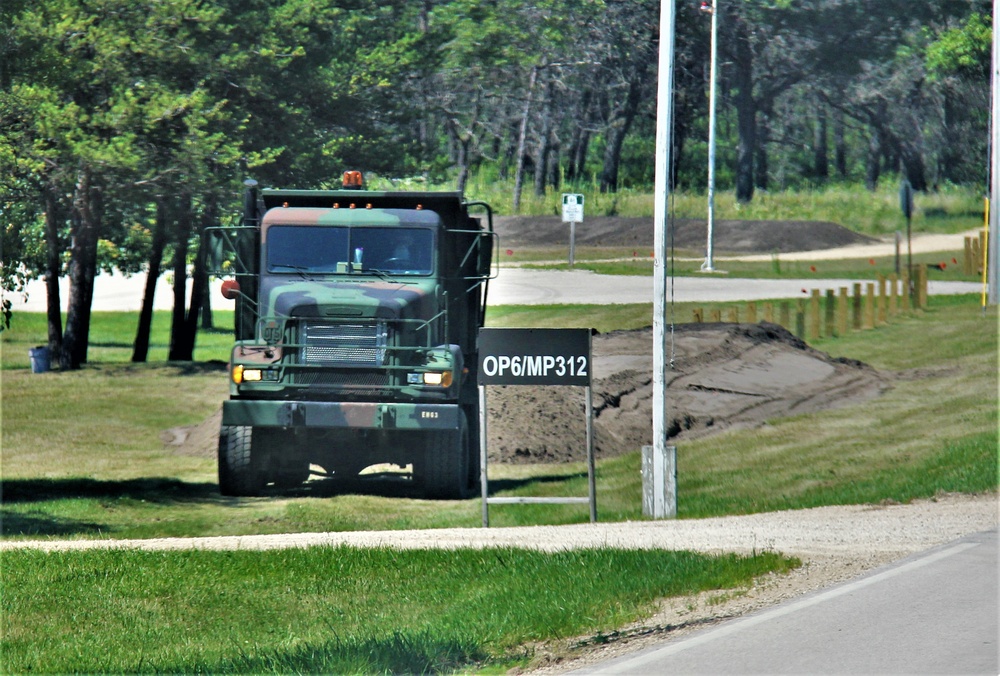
column 355, row 344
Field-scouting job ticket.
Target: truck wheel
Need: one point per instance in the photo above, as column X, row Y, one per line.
column 240, row 472
column 446, row 463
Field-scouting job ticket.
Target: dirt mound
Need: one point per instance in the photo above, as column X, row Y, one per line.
column 724, row 376
column 727, row 236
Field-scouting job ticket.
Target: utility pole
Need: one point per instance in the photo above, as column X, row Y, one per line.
column 710, row 8
column 664, row 125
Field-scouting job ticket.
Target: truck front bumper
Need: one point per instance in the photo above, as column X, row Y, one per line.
column 328, row 414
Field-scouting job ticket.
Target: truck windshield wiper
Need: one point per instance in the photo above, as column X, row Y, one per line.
column 384, row 275
column 304, row 272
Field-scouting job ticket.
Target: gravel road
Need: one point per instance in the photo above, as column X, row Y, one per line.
column 878, row 533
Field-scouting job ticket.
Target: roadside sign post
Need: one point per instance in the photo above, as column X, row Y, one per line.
column 535, row 357
column 572, row 213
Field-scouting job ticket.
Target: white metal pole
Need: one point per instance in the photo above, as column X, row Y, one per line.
column 483, row 477
column 709, row 264
column 664, row 124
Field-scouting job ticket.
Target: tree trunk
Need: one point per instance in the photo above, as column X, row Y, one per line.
column 821, row 163
column 762, row 160
column 140, row 349
column 199, row 284
column 178, row 325
column 618, row 128
column 555, row 163
column 522, row 139
column 839, row 145
column 579, row 140
column 746, row 113
column 544, row 144
column 461, row 160
column 82, row 269
column 53, row 269
column 873, row 163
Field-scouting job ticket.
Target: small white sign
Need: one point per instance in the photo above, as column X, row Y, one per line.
column 572, row 210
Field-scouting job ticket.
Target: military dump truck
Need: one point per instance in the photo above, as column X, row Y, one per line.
column 356, row 320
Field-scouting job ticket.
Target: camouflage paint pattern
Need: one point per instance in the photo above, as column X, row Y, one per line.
column 286, row 298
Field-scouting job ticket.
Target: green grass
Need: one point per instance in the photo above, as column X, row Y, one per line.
column 952, row 209
column 112, row 335
column 331, row 610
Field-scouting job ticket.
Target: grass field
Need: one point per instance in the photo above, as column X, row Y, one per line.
column 948, row 210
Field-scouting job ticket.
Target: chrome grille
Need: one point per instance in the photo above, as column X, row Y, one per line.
column 355, row 344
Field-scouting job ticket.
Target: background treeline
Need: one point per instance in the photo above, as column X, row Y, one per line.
column 126, row 127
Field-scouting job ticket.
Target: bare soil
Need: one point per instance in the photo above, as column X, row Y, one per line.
column 727, row 236
column 723, row 376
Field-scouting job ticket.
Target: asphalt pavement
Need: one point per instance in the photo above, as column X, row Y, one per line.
column 932, row 613
column 513, row 286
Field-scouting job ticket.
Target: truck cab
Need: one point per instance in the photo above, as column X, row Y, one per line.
column 356, row 321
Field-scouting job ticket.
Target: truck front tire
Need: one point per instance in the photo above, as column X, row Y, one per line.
column 240, row 470
column 446, row 463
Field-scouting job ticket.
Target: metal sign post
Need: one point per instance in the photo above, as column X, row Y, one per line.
column 535, row 357
column 572, row 213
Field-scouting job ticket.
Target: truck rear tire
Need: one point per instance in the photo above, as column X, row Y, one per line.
column 240, row 471
column 446, row 464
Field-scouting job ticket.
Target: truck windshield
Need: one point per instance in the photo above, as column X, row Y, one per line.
column 317, row 249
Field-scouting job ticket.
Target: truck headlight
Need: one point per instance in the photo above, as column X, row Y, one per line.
column 433, row 378
column 242, row 374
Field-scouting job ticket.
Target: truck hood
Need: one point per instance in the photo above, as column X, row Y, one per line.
column 380, row 299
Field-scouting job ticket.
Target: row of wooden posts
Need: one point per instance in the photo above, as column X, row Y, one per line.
column 870, row 305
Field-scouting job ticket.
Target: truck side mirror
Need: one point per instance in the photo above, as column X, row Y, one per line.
column 485, row 253
column 230, row 289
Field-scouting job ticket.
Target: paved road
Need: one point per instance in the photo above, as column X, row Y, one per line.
column 519, row 286
column 933, row 613
column 514, row 286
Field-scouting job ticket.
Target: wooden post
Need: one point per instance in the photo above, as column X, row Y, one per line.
column 785, row 315
column 769, row 313
column 922, row 286
column 968, row 261
column 893, row 295
column 880, row 300
column 751, row 312
column 698, row 315
column 828, row 308
column 814, row 315
column 904, row 292
column 715, row 315
column 856, row 303
column 870, row 306
column 733, row 315
column 842, row 312
column 800, row 318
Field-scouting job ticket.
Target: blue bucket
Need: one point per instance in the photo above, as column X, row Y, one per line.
column 39, row 359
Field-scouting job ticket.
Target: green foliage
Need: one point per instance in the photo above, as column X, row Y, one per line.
column 963, row 51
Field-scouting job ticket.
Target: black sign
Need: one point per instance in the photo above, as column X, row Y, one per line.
column 534, row 357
